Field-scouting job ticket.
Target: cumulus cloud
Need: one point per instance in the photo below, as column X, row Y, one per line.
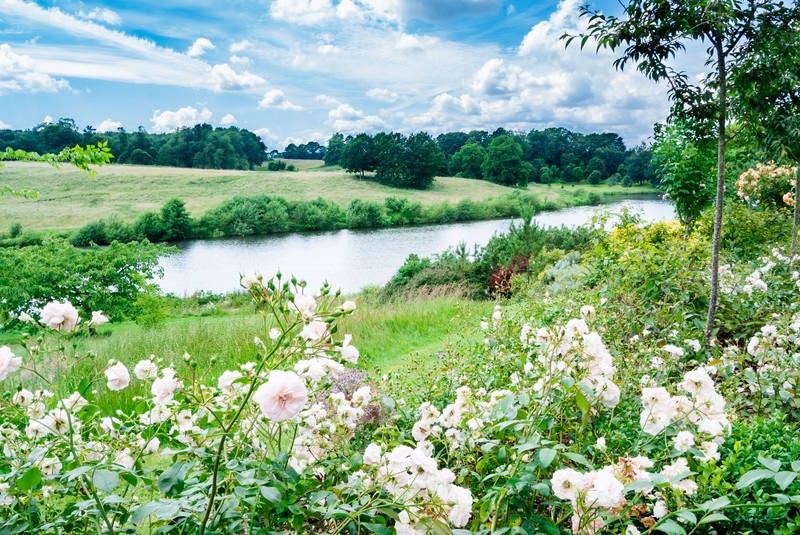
column 266, row 135
column 239, row 60
column 200, row 46
column 328, row 49
column 327, row 100
column 4, row 125
column 107, row 125
column 347, row 119
column 19, row 73
column 228, row 120
column 546, row 85
column 317, row 12
column 383, row 95
column 169, row 121
column 240, row 46
column 275, row 98
column 102, row 14
column 408, row 41
column 222, row 77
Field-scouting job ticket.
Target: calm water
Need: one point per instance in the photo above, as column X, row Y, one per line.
column 350, row 259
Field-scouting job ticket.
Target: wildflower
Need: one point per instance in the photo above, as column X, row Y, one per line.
column 98, row 319
column 565, row 483
column 60, row 316
column 282, row 397
column 683, row 441
column 117, row 376
column 165, row 387
column 349, row 352
column 606, row 490
column 9, row 363
column 145, row 369
column 349, row 306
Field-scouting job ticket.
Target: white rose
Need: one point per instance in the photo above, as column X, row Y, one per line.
column 117, row 376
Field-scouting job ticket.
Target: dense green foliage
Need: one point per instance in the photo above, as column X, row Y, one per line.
column 110, row 279
column 264, row 214
column 200, row 146
column 546, row 156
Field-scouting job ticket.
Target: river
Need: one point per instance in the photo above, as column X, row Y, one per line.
column 351, row 259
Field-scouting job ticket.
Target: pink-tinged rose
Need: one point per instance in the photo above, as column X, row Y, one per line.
column 282, row 397
column 118, row 376
column 9, row 363
column 60, row 316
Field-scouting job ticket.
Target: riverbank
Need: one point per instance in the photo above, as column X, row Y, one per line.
column 352, row 260
column 69, row 200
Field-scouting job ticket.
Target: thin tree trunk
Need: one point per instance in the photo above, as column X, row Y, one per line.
column 722, row 96
column 796, row 219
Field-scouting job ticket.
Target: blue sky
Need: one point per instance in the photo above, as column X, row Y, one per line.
column 298, row 70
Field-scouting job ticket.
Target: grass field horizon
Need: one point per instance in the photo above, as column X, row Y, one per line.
column 69, row 198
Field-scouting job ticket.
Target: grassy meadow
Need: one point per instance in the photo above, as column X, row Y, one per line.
column 401, row 337
column 69, row 199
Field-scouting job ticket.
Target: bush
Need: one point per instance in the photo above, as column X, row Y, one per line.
column 108, row 279
column 365, row 214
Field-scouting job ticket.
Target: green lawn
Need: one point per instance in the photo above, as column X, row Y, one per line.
column 69, row 198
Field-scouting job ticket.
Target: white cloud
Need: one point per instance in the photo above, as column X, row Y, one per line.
column 223, row 78
column 239, row 60
column 168, row 121
column 304, row 12
column 317, row 12
column 228, row 120
column 103, row 54
column 4, row 126
column 345, row 118
column 328, row 49
column 546, row 85
column 275, row 98
column 103, row 14
column 415, row 42
column 240, row 46
column 47, row 119
column 510, row 10
column 265, row 134
column 200, row 46
column 107, row 125
column 383, row 95
column 327, row 100
column 20, row 73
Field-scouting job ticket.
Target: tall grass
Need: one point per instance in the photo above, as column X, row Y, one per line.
column 400, row 337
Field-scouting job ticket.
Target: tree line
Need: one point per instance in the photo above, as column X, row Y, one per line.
column 202, row 145
column 504, row 157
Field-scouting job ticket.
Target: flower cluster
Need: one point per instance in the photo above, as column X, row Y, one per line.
column 701, row 406
column 766, row 183
column 412, row 476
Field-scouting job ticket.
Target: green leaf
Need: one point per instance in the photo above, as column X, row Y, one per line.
column 578, row 458
column 784, row 479
column 670, row 527
column 546, row 456
column 171, row 481
column 796, row 466
column 105, row 480
column 713, row 505
column 380, row 529
column 271, row 494
column 772, row 464
column 30, row 479
column 713, row 517
column 163, row 510
column 687, row 516
column 72, row 475
column 752, row 476
column 581, row 401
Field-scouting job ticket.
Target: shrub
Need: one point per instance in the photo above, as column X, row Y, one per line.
column 365, row 214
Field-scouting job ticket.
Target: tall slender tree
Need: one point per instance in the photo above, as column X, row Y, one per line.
column 651, row 33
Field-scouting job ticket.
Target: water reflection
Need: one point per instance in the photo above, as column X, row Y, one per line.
column 350, row 259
